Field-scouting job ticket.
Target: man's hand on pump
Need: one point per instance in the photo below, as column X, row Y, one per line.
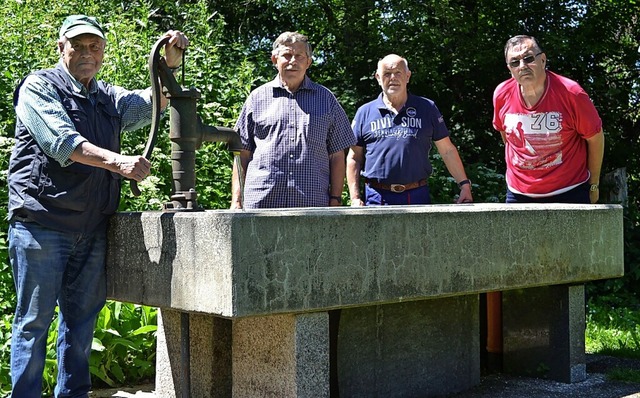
column 132, row 167
column 174, row 48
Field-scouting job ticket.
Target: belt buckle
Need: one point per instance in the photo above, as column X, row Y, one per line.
column 397, row 188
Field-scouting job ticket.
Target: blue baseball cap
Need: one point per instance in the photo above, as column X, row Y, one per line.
column 75, row 25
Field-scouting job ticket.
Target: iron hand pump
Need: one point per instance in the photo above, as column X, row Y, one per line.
column 187, row 132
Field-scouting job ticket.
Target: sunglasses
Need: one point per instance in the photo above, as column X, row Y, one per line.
column 527, row 60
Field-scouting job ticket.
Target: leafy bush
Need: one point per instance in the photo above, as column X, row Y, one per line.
column 123, row 348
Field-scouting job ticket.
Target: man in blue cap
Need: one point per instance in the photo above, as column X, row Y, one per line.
column 64, row 182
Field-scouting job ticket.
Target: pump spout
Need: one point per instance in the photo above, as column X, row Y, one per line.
column 187, row 134
column 222, row 134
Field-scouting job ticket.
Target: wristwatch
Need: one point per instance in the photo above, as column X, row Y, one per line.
column 463, row 183
column 594, row 187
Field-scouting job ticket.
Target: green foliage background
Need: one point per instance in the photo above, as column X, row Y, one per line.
column 455, row 51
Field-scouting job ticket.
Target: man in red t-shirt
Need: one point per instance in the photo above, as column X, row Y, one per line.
column 552, row 132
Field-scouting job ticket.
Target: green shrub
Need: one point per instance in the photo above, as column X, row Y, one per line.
column 123, row 349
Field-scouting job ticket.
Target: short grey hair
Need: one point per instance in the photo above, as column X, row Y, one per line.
column 287, row 38
column 516, row 40
column 384, row 60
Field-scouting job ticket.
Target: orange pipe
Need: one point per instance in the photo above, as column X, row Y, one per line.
column 494, row 322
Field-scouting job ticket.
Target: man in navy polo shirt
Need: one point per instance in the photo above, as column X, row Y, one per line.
column 394, row 134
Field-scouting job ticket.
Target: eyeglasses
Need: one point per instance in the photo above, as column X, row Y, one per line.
column 527, row 60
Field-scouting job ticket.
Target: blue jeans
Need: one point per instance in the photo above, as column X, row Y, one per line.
column 49, row 268
column 378, row 197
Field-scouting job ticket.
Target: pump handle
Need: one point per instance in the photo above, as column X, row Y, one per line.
column 155, row 62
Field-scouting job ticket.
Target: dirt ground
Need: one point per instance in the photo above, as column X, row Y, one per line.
column 595, row 386
column 498, row 385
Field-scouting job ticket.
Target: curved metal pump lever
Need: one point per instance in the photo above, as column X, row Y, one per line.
column 157, row 67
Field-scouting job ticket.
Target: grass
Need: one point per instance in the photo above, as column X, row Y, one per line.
column 629, row 375
column 613, row 329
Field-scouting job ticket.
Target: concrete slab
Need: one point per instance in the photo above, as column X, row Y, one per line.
column 247, row 263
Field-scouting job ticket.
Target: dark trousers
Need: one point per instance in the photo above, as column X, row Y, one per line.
column 579, row 194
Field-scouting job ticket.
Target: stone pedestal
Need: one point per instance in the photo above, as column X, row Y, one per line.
column 417, row 349
column 281, row 356
column 543, row 332
column 208, row 361
column 273, row 356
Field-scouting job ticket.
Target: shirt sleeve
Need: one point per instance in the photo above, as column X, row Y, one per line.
column 498, row 102
column 440, row 129
column 244, row 125
column 356, row 126
column 134, row 107
column 341, row 136
column 40, row 109
column 588, row 122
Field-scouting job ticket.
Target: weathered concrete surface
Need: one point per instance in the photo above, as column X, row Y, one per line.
column 281, row 356
column 278, row 356
column 248, row 263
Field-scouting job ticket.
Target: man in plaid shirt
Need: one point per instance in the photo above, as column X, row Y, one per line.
column 294, row 135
